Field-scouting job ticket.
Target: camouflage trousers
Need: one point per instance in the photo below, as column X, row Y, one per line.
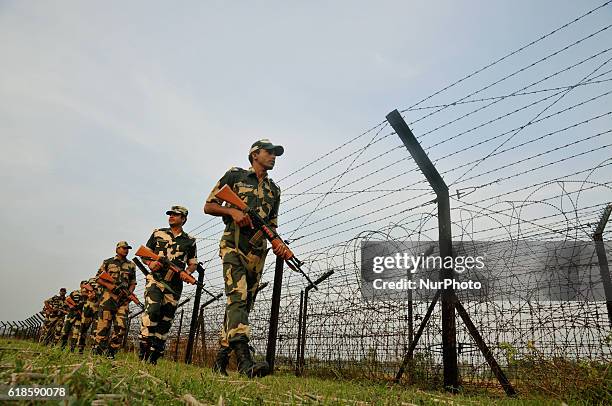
column 71, row 327
column 90, row 310
column 241, row 275
column 49, row 324
column 59, row 327
column 160, row 307
column 110, row 314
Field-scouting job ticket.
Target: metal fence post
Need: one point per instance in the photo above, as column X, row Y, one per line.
column 448, row 296
column 178, row 336
column 194, row 316
column 300, row 366
column 600, row 248
column 299, row 336
column 449, row 333
column 274, row 312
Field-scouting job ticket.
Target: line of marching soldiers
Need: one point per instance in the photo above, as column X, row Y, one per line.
column 103, row 301
column 248, row 202
column 69, row 318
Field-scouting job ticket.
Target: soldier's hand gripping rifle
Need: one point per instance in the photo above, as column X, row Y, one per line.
column 227, row 195
column 52, row 311
column 72, row 305
column 146, row 273
column 90, row 291
column 148, row 254
column 105, row 279
column 48, row 310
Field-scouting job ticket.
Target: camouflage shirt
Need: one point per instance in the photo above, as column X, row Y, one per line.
column 123, row 271
column 180, row 250
column 56, row 303
column 263, row 197
column 93, row 282
column 77, row 297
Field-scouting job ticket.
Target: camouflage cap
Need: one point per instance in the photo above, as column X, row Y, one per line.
column 121, row 244
column 266, row 144
column 178, row 210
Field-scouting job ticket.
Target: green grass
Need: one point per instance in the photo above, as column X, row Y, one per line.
column 93, row 379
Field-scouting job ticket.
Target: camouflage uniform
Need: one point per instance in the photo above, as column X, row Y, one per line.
column 164, row 287
column 89, row 313
column 72, row 322
column 243, row 250
column 113, row 306
column 54, row 308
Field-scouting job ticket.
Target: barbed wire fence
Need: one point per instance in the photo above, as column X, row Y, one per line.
column 526, row 153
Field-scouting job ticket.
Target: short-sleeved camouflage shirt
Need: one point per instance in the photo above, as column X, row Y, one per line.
column 123, row 271
column 56, row 303
column 264, row 197
column 180, row 250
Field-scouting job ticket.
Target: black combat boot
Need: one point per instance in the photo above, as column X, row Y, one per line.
column 72, row 346
column 222, row 360
column 246, row 365
column 110, row 353
column 97, row 350
column 145, row 350
column 155, row 355
column 64, row 343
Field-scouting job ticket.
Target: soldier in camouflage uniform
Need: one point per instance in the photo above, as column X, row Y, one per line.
column 90, row 311
column 54, row 314
column 164, row 286
column 72, row 322
column 114, row 304
column 243, row 251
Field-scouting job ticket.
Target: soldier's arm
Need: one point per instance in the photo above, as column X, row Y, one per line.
column 192, row 258
column 152, row 244
column 214, row 206
column 132, row 280
column 279, row 250
column 274, row 213
column 101, row 269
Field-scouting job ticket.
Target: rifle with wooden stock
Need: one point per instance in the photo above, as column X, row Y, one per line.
column 105, row 279
column 91, row 292
column 227, row 195
column 72, row 305
column 147, row 254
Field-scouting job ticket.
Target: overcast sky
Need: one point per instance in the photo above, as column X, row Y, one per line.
column 112, row 111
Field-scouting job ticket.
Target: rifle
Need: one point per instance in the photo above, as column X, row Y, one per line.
column 48, row 310
column 227, row 195
column 106, row 280
column 70, row 302
column 72, row 305
column 90, row 290
column 147, row 253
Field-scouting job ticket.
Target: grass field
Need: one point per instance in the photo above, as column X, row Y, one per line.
column 96, row 380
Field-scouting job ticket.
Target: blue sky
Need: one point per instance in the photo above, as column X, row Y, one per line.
column 110, row 112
